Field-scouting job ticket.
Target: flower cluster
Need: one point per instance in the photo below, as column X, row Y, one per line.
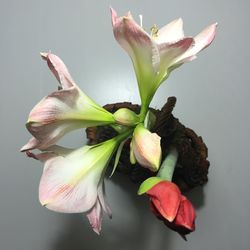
column 73, row 179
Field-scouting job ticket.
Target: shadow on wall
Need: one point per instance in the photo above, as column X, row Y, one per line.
column 142, row 231
column 197, row 197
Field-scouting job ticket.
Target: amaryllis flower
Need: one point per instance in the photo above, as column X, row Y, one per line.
column 72, row 180
column 155, row 55
column 63, row 110
column 145, row 147
column 169, row 205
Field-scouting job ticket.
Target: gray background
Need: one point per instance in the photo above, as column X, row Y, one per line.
column 213, row 99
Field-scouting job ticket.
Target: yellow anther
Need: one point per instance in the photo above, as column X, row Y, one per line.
column 154, row 31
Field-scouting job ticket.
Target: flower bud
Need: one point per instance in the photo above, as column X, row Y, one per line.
column 169, row 205
column 147, row 148
column 126, row 117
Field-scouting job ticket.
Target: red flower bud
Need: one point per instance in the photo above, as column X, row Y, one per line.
column 166, row 198
column 174, row 209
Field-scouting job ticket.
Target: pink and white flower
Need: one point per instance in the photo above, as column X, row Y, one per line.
column 73, row 180
column 155, row 55
column 62, row 111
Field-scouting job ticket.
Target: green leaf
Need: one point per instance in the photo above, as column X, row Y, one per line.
column 117, row 157
column 148, row 184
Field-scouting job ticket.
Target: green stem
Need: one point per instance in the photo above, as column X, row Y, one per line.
column 143, row 113
column 120, row 128
column 119, row 138
column 144, row 110
column 167, row 168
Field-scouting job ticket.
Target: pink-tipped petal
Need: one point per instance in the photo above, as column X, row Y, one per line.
column 43, row 157
column 95, row 217
column 70, row 180
column 48, row 120
column 104, row 204
column 134, row 40
column 169, row 53
column 63, row 189
column 202, row 40
column 171, row 32
column 96, row 213
column 61, row 112
column 114, row 16
column 59, row 69
column 142, row 50
column 50, row 152
column 31, row 144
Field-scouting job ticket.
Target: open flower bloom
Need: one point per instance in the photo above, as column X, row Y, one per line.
column 155, row 55
column 63, row 110
column 169, row 205
column 72, row 180
column 146, row 148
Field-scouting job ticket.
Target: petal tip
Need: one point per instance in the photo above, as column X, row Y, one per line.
column 111, row 9
column 179, row 20
column 170, row 218
column 44, row 55
column 97, row 231
column 113, row 15
column 44, row 203
column 23, row 148
column 27, row 146
column 31, row 155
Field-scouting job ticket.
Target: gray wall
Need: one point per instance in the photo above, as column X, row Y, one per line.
column 213, row 98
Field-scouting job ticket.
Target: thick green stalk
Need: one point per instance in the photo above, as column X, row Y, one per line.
column 167, row 168
column 144, row 110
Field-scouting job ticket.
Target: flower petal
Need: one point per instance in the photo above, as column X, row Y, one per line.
column 171, row 32
column 60, row 112
column 31, row 144
column 59, row 69
column 166, row 198
column 147, row 148
column 186, row 214
column 101, row 197
column 96, row 213
column 95, row 217
column 202, row 40
column 169, row 53
column 142, row 50
column 50, row 152
column 70, row 182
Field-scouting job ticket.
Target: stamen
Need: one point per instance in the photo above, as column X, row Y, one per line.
column 140, row 16
column 154, row 31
